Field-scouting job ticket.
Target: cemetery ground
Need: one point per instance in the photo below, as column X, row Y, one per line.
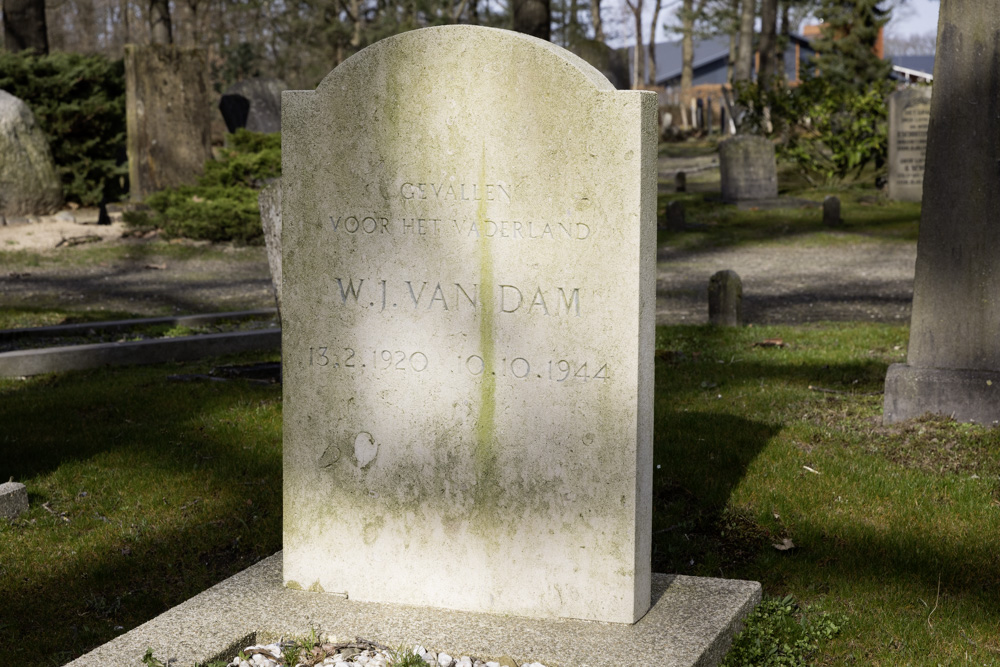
column 771, row 460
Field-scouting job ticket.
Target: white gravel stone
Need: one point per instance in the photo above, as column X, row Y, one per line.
column 445, row 660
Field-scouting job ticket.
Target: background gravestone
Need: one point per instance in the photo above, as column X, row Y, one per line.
column 168, row 116
column 725, row 299
column 254, row 104
column 747, row 169
column 831, row 211
column 468, row 315
column 909, row 111
column 953, row 360
column 29, row 184
column 674, row 216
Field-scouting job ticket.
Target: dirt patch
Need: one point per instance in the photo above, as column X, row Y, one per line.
column 864, row 280
column 149, row 277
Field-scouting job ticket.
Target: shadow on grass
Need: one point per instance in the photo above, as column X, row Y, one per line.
column 715, row 225
column 153, row 491
column 700, row 457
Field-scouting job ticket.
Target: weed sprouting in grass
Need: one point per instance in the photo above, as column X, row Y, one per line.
column 779, row 633
column 405, row 657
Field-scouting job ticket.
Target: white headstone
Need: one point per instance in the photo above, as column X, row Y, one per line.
column 909, row 112
column 469, row 294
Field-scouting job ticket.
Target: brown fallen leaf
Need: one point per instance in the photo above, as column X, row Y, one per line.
column 771, row 342
column 786, row 545
column 158, row 267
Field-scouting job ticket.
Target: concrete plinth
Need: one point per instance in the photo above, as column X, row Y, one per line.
column 968, row 396
column 692, row 622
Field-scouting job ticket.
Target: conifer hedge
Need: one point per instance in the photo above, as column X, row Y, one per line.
column 79, row 102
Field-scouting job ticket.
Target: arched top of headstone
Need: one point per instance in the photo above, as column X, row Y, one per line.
column 475, row 50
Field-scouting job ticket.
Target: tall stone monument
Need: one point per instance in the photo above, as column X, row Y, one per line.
column 909, row 111
column 953, row 361
column 469, row 221
column 168, row 116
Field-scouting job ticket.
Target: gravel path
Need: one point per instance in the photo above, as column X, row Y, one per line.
column 866, row 279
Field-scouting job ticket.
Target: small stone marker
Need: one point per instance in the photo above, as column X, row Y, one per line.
column 831, row 211
column 909, row 113
column 13, row 500
column 29, row 184
column 168, row 117
column 725, row 299
column 675, row 216
column 468, row 316
column 953, row 360
column 748, row 169
column 680, row 182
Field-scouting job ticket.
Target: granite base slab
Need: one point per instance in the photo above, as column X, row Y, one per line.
column 692, row 622
column 964, row 395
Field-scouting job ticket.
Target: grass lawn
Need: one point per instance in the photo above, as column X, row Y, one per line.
column 145, row 492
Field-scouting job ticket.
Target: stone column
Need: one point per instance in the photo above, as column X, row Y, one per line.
column 953, row 364
column 168, row 116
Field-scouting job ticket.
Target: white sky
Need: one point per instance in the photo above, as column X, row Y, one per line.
column 912, row 17
column 915, row 17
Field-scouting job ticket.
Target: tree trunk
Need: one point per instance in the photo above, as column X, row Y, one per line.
column 533, row 17
column 784, row 42
column 743, row 68
column 24, row 26
column 687, row 49
column 734, row 41
column 652, row 40
column 160, row 29
column 768, row 43
column 595, row 18
column 638, row 61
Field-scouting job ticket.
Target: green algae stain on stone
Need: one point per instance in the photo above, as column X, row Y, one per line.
column 294, row 585
column 488, row 487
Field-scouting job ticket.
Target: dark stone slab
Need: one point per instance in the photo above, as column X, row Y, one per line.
column 235, row 109
column 748, row 169
column 831, row 212
column 263, row 105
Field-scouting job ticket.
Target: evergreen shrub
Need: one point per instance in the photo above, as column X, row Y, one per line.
column 79, row 102
column 223, row 205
